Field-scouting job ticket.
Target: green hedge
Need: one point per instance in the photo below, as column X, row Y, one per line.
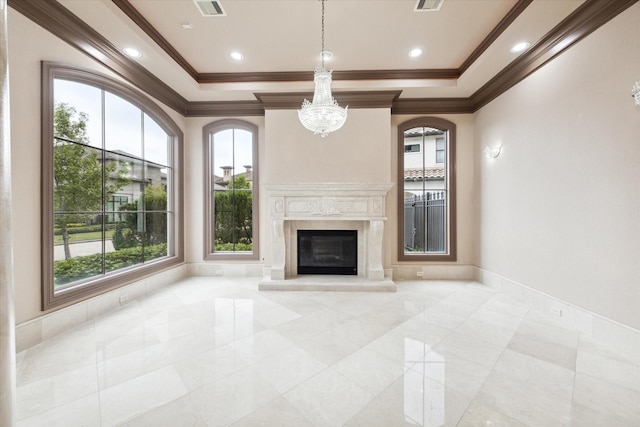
column 83, row 267
column 228, row 247
column 84, row 229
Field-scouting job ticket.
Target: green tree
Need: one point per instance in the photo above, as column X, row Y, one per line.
column 239, row 183
column 78, row 190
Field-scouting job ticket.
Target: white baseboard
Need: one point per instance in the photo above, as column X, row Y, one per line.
column 433, row 272
column 42, row 328
column 225, row 270
column 615, row 335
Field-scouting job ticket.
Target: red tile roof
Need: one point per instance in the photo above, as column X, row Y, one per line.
column 433, row 172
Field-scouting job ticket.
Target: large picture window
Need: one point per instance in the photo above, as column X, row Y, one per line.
column 231, row 180
column 426, row 195
column 111, row 164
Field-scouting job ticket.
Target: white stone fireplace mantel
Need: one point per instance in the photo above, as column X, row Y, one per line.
column 345, row 205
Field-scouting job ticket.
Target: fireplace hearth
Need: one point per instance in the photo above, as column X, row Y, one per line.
column 328, row 252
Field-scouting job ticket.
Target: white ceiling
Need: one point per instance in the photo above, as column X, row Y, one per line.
column 284, row 36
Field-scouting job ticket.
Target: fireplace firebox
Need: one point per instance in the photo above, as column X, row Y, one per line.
column 328, row 252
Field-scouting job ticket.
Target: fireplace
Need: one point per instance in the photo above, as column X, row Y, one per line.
column 357, row 208
column 328, row 252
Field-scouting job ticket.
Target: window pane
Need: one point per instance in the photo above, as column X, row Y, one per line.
column 155, row 200
column 123, row 126
column 78, row 248
column 440, row 150
column 156, row 178
column 243, row 153
column 156, row 236
column 412, row 148
column 156, row 142
column 77, row 183
column 80, row 101
column 127, row 239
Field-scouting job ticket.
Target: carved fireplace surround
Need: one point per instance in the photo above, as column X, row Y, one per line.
column 338, row 206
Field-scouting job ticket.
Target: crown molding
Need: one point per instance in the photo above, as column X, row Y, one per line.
column 410, row 74
column 59, row 21
column 293, row 100
column 224, row 109
column 590, row 16
column 146, row 26
column 56, row 19
column 302, row 76
column 433, row 106
column 504, row 23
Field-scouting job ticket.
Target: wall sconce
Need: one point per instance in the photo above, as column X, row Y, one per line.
column 635, row 93
column 492, row 152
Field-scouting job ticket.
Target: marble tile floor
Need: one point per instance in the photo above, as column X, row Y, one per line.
column 218, row 352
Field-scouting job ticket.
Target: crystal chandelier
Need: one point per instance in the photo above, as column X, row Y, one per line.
column 323, row 115
column 635, row 93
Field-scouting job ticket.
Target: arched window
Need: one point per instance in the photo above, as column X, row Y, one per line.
column 110, row 185
column 426, row 190
column 231, row 180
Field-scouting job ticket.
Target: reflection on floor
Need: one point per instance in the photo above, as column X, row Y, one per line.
column 216, row 352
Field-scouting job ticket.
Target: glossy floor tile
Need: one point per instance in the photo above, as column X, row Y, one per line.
column 210, row 351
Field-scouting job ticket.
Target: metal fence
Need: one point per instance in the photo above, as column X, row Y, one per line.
column 425, row 226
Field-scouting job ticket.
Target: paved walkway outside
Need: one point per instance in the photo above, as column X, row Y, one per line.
column 82, row 248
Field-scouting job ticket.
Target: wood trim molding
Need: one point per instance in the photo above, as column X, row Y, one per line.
column 508, row 19
column 293, row 100
column 58, row 20
column 433, row 106
column 224, row 109
column 146, row 26
column 300, row 76
column 590, row 16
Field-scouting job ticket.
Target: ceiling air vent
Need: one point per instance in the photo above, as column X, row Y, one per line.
column 210, row 7
column 428, row 5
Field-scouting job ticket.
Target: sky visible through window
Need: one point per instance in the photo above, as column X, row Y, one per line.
column 123, row 130
column 233, row 147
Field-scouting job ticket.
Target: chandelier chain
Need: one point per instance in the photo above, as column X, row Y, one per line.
column 322, row 47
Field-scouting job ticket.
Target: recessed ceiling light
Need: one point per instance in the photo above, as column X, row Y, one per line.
column 414, row 53
column 187, row 25
column 326, row 55
column 134, row 53
column 520, row 47
column 236, row 56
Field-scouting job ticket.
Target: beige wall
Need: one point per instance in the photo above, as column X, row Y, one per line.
column 358, row 152
column 559, row 210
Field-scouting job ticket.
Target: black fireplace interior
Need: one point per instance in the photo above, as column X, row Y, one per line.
column 328, row 252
